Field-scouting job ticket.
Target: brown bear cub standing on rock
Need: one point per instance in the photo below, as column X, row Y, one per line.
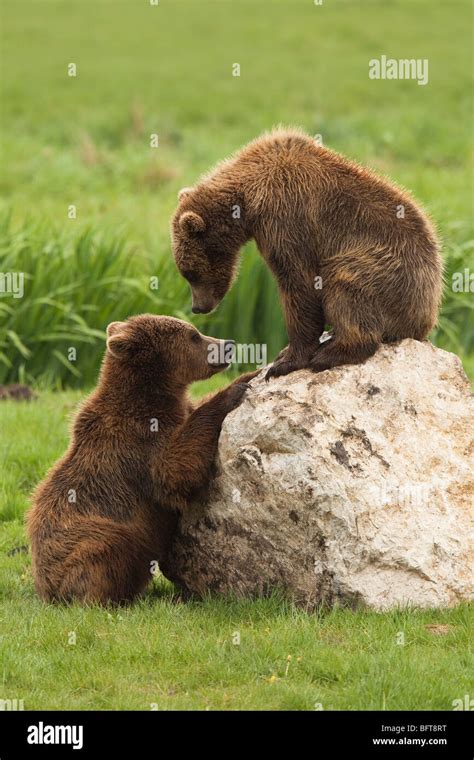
column 108, row 508
column 346, row 247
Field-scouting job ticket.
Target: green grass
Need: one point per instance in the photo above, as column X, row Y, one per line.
column 182, row 656
column 85, row 140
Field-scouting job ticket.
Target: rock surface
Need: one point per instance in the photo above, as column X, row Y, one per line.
column 352, row 486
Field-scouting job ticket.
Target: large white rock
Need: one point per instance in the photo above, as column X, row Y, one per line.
column 351, row 486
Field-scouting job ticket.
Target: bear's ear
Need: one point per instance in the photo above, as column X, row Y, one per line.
column 117, row 340
column 184, row 191
column 115, row 327
column 191, row 222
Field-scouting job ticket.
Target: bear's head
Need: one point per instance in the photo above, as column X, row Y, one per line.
column 152, row 348
column 207, row 232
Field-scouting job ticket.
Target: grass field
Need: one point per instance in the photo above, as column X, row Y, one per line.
column 167, row 70
column 85, row 141
column 182, row 656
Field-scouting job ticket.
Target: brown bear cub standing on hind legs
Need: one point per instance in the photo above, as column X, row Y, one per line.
column 108, row 508
column 347, row 248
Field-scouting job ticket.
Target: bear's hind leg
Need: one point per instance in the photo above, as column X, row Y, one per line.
column 109, row 563
column 335, row 352
column 355, row 326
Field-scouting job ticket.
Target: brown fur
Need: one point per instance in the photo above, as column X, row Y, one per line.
column 313, row 213
column 130, row 481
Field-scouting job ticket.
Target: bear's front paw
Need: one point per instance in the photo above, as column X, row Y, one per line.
column 234, row 395
column 282, row 354
column 247, row 377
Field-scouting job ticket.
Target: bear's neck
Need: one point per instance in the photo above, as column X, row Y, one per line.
column 229, row 188
column 126, row 394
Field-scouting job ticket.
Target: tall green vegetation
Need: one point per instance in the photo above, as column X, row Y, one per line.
column 75, row 285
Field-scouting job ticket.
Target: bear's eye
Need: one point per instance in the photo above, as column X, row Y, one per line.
column 196, row 337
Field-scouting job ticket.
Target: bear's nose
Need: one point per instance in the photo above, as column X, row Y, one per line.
column 199, row 310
